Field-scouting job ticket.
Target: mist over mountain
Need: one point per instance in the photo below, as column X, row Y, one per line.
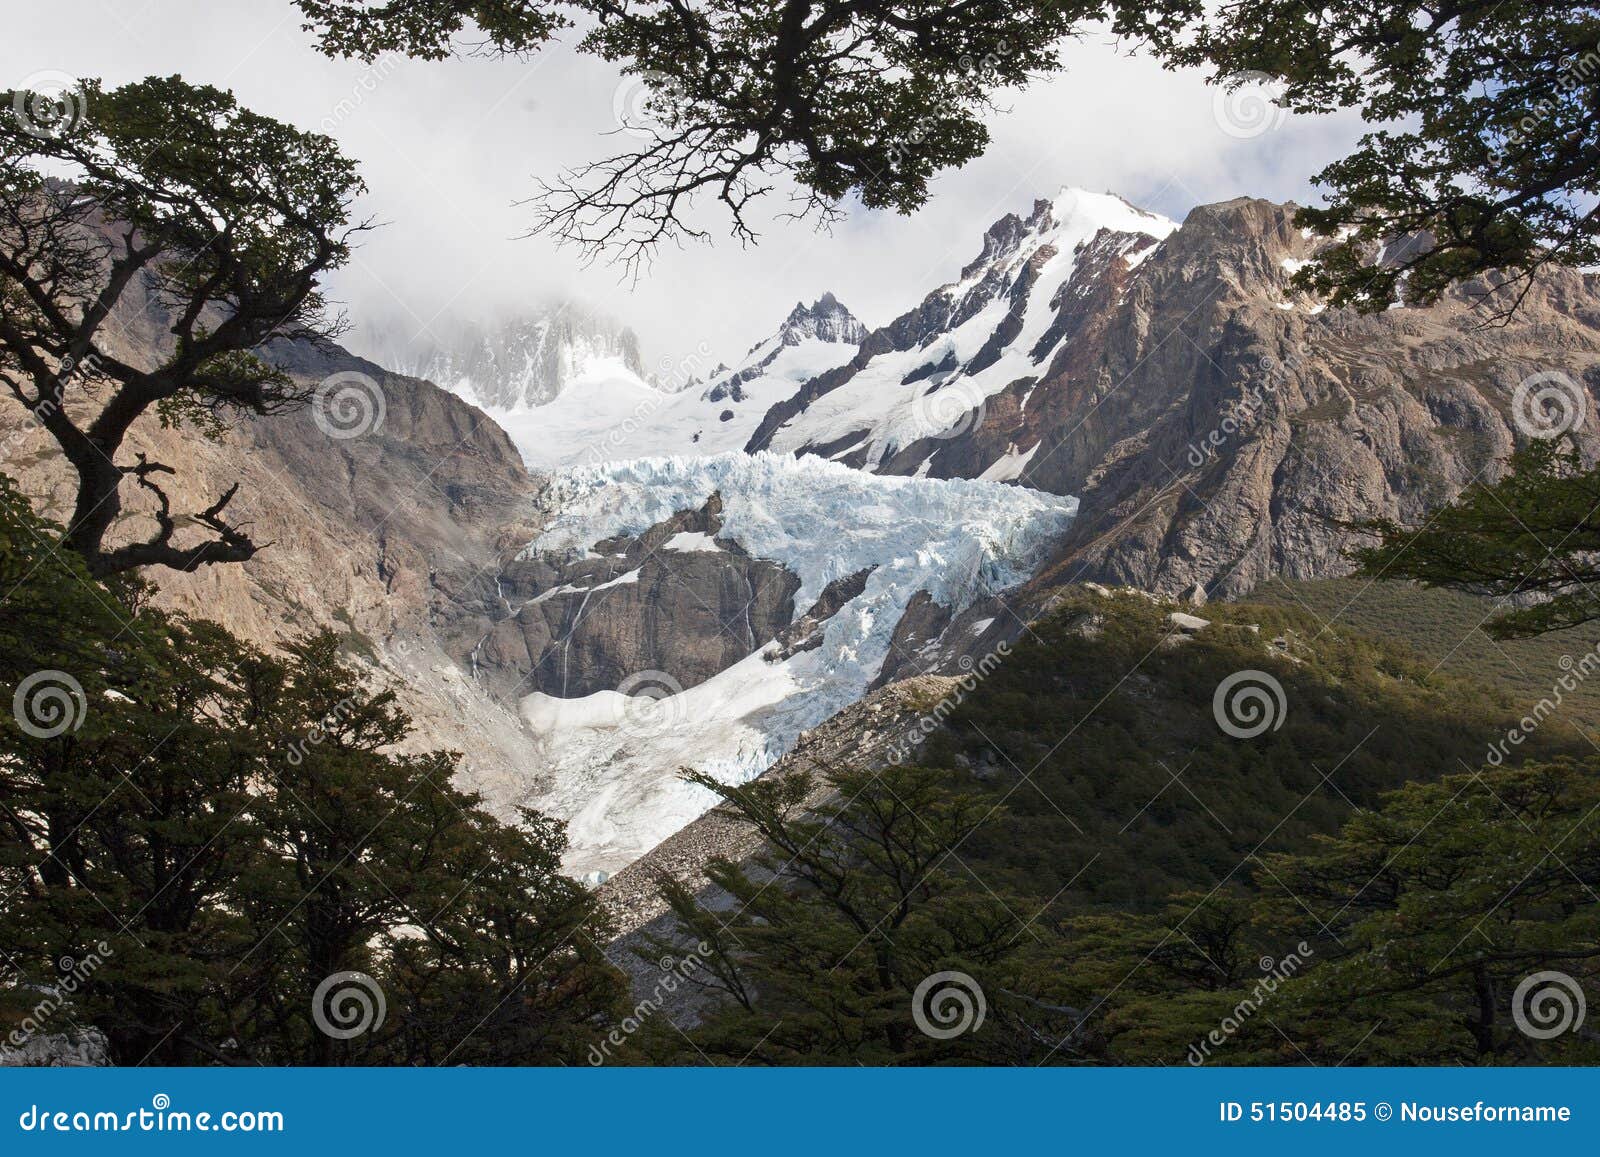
column 521, row 360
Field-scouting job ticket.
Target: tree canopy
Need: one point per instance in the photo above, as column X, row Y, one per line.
column 1531, row 539
column 170, row 201
column 212, row 855
column 1483, row 161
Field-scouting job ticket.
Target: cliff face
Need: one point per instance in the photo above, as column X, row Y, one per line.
column 385, row 535
column 1290, row 419
column 674, row 599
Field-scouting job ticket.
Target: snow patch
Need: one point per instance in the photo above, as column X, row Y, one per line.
column 1011, row 464
column 690, row 541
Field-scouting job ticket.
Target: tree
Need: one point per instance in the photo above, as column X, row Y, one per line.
column 1459, row 914
column 853, row 928
column 1486, row 160
column 1532, row 539
column 1485, row 157
column 209, row 855
column 846, row 97
column 166, row 199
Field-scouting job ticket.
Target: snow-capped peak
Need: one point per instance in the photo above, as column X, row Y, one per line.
column 824, row 320
column 609, row 414
column 1107, row 211
column 994, row 329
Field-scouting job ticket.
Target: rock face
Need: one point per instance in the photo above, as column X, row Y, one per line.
column 387, row 536
column 1293, row 419
column 675, row 599
column 917, row 386
column 1217, row 427
column 825, row 319
column 523, row 361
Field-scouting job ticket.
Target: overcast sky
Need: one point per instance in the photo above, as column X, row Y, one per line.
column 447, row 148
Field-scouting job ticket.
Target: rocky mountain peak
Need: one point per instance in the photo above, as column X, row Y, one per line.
column 825, row 319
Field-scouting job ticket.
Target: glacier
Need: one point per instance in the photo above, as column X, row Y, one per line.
column 615, row 759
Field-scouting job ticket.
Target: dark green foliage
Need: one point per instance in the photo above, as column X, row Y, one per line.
column 846, row 911
column 1099, row 733
column 1533, row 535
column 1289, row 898
column 224, row 830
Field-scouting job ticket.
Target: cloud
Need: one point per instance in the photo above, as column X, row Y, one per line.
column 448, row 149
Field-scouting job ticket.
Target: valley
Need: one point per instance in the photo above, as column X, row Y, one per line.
column 587, row 576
